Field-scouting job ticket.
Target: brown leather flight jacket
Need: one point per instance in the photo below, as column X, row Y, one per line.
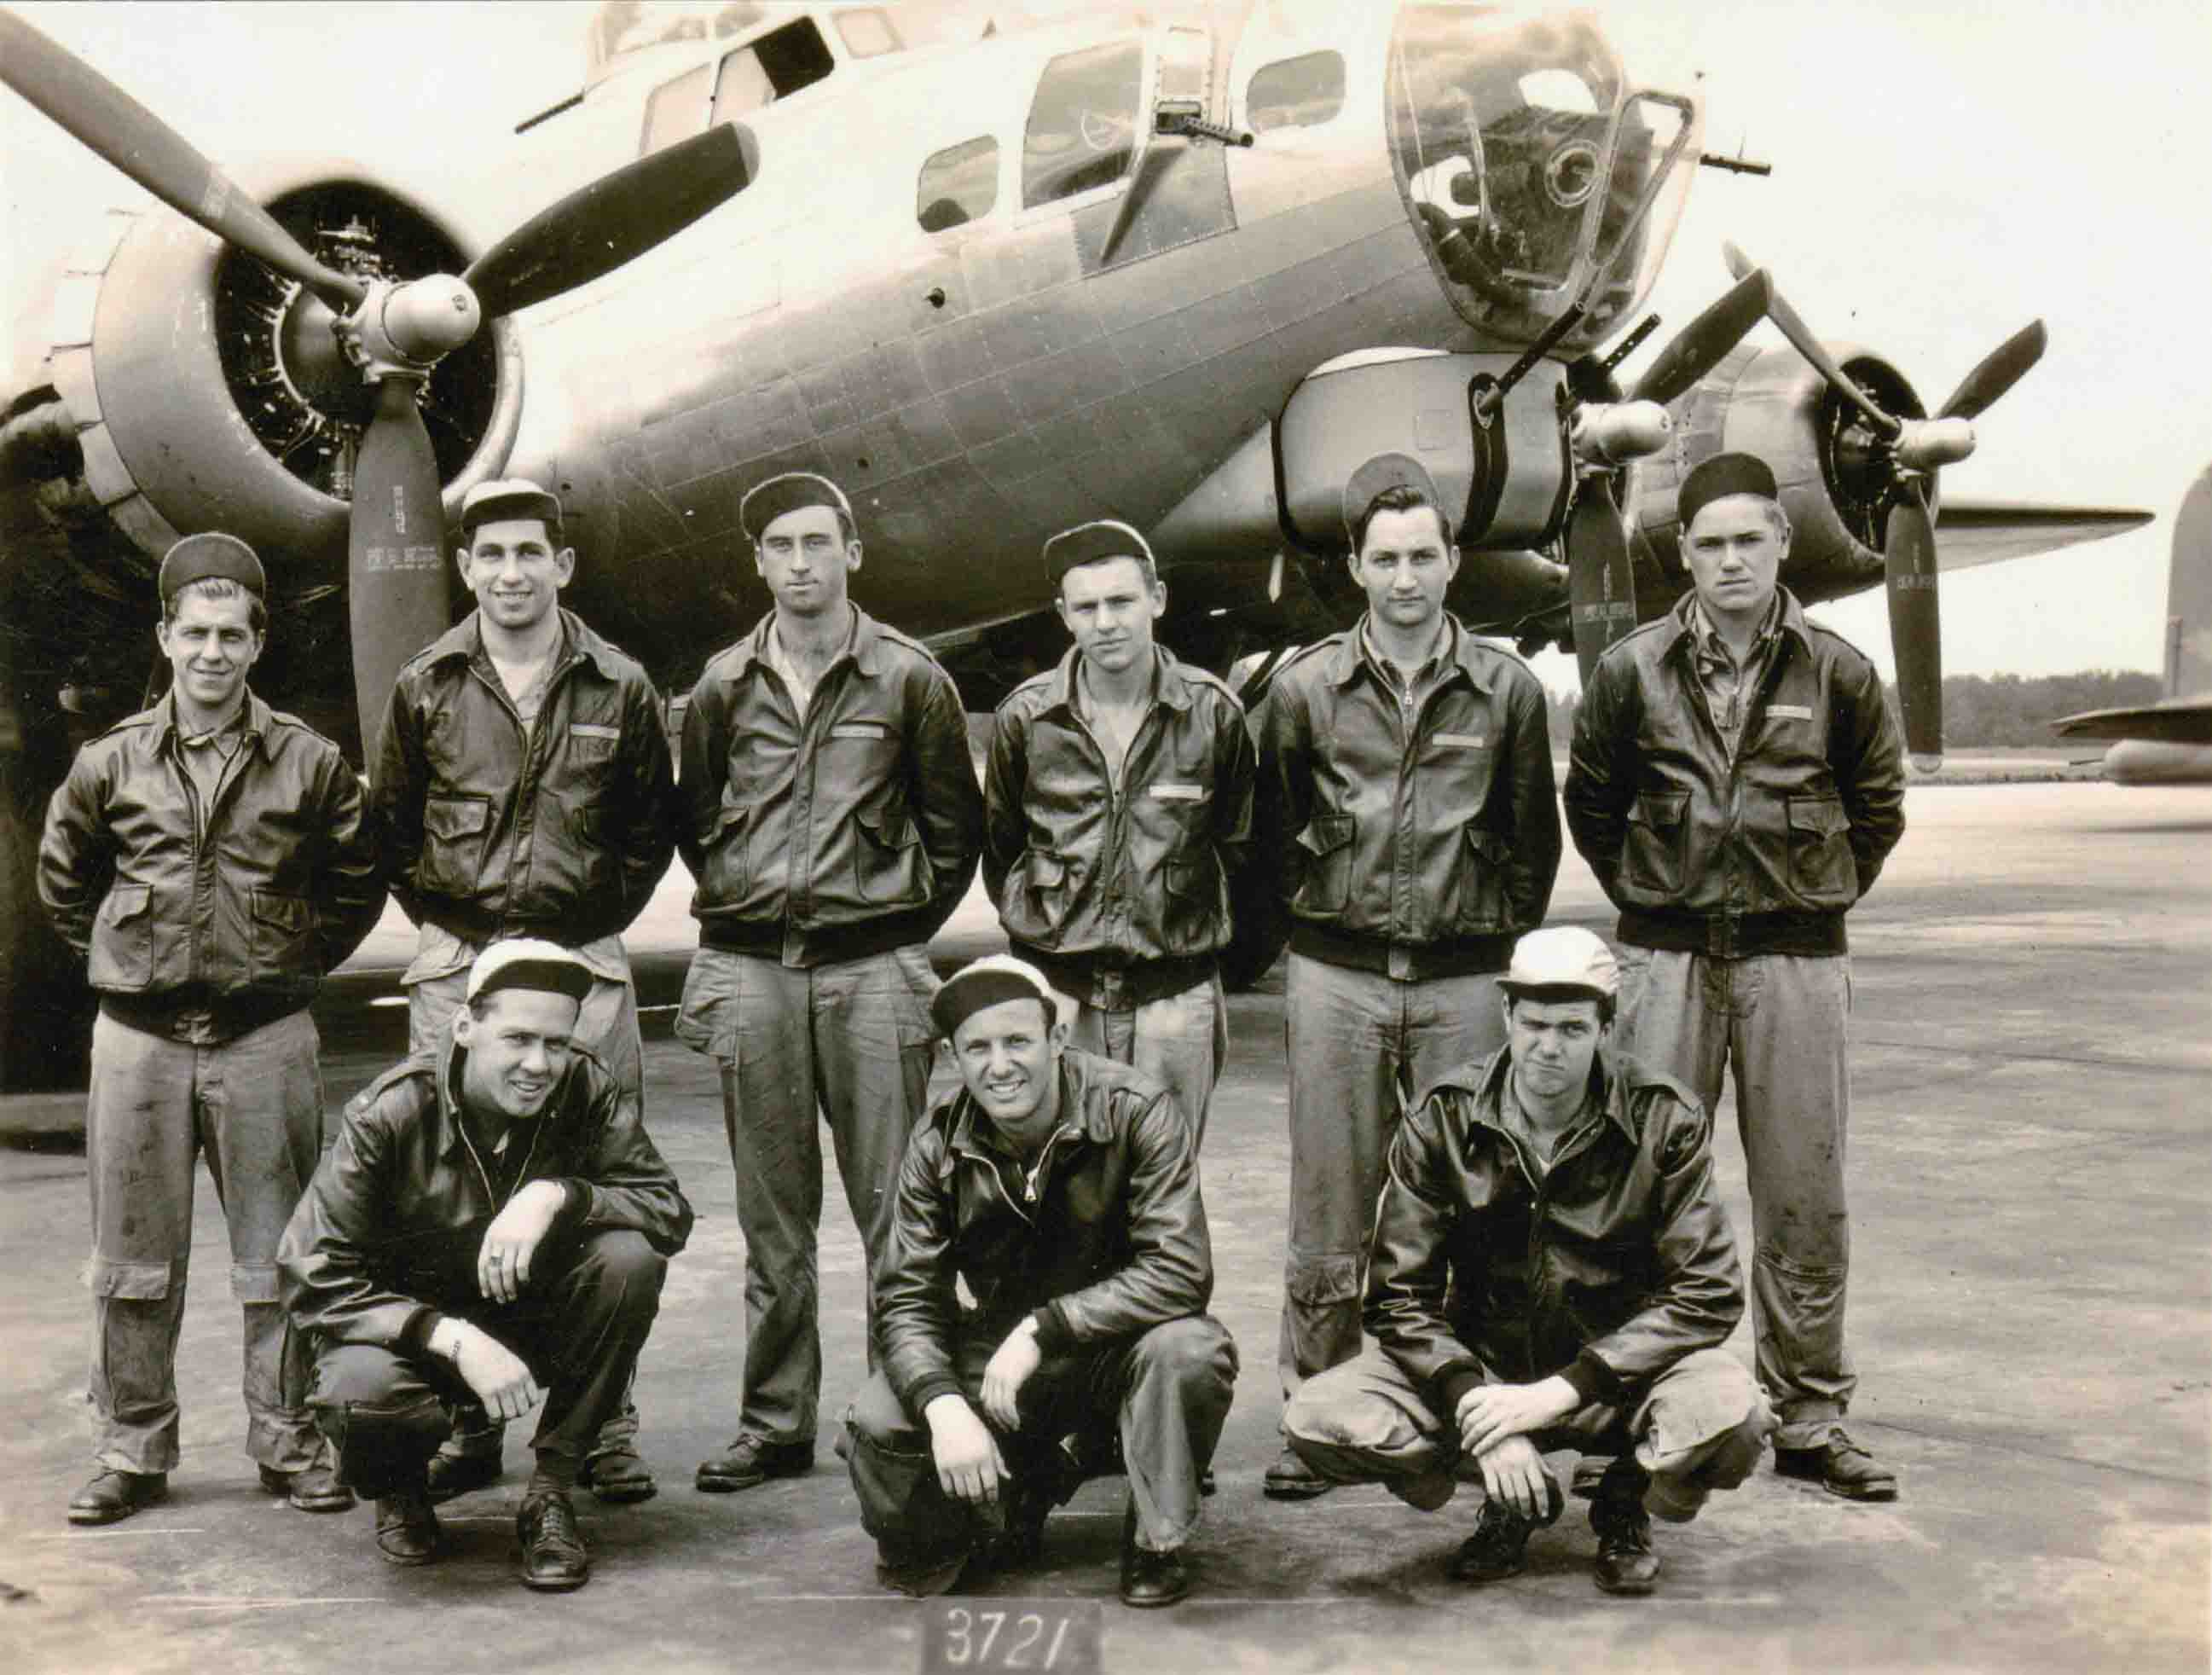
column 845, row 831
column 1104, row 1236
column 561, row 831
column 1606, row 1270
column 1758, row 853
column 233, row 912
column 1419, row 845
column 1091, row 878
column 386, row 1235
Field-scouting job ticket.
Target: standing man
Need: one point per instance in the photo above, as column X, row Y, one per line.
column 523, row 786
column 1552, row 1270
column 1737, row 783
column 210, row 859
column 1062, row 1189
column 1405, row 804
column 492, row 1227
column 1118, row 808
column 832, row 819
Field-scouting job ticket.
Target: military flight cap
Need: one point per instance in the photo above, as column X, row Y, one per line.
column 1562, row 959
column 1718, row 478
column 1389, row 471
column 1091, row 544
column 529, row 962
column 791, row 492
column 211, row 557
column 990, row 981
column 510, row 497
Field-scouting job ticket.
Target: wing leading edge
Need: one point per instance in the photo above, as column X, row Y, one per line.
column 1989, row 531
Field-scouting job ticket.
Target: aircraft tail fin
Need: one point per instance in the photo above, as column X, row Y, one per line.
column 2188, row 594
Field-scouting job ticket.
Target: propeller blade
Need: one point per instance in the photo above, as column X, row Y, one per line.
column 596, row 229
column 1601, row 576
column 395, row 552
column 1702, row 344
column 97, row 114
column 2002, row 367
column 1808, row 343
column 1915, row 624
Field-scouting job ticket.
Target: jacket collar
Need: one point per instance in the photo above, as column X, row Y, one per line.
column 1171, row 683
column 258, row 720
column 1471, row 657
column 865, row 648
column 465, row 640
column 1682, row 622
column 1610, row 1087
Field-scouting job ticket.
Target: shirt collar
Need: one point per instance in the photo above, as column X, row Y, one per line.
column 1171, row 684
column 254, row 717
column 1460, row 649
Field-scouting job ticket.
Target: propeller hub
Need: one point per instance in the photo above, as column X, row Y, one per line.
column 1613, row 433
column 406, row 329
column 1929, row 444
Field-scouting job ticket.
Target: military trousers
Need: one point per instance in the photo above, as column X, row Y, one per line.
column 1181, row 1038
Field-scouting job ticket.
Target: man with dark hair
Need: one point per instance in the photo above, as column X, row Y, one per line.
column 1552, row 1269
column 1117, row 812
column 523, row 787
column 831, row 818
column 1737, row 783
column 492, row 1227
column 1406, row 817
column 1061, row 1189
column 209, row 859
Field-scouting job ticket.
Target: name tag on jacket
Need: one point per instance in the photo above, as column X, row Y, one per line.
column 1463, row 741
column 1172, row 790
column 859, row 730
column 1789, row 712
column 592, row 730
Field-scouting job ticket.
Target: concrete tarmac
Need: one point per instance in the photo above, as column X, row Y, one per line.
column 2031, row 1313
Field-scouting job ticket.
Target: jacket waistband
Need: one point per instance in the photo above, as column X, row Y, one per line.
column 815, row 944
column 1117, row 985
column 1404, row 962
column 1735, row 935
column 190, row 1015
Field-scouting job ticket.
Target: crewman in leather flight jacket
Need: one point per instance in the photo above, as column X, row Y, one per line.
column 1736, row 784
column 1118, row 816
column 211, row 859
column 832, row 819
column 1407, row 817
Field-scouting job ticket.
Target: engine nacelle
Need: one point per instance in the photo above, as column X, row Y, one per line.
column 1771, row 403
column 200, row 404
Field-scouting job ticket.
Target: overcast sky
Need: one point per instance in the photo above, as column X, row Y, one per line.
column 1945, row 170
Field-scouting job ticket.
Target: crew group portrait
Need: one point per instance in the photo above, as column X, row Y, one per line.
column 1504, row 1242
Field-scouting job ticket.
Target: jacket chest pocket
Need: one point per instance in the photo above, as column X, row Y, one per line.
column 123, row 939
column 453, row 832
column 1651, row 856
column 1482, row 862
column 1821, row 869
column 283, row 928
column 588, row 749
column 1326, row 887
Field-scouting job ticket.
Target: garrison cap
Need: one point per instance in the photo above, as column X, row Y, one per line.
column 1389, row 471
column 529, row 962
column 987, row 981
column 1563, row 960
column 510, row 497
column 1091, row 544
column 1718, row 478
column 211, row 557
column 795, row 489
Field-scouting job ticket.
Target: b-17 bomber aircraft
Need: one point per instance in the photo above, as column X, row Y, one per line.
column 1188, row 274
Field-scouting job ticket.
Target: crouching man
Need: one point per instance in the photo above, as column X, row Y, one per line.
column 1552, row 1270
column 1062, row 1189
column 492, row 1225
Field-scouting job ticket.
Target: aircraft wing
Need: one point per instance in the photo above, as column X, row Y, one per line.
column 1987, row 532
column 2181, row 721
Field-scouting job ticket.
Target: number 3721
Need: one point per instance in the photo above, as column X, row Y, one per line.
column 1060, row 1636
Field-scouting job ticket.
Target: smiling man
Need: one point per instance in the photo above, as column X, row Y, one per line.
column 1552, row 1270
column 1117, row 812
column 1736, row 783
column 1061, row 1190
column 210, row 860
column 524, row 788
column 1406, row 821
column 492, row 1228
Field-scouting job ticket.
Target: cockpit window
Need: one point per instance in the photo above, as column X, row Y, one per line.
column 1082, row 124
column 959, row 185
column 1295, row 93
column 774, row 67
column 868, row 34
column 677, row 109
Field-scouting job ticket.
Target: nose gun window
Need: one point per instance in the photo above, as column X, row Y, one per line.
column 959, row 185
column 1083, row 123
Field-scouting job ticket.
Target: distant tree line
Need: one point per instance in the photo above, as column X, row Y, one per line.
column 1982, row 712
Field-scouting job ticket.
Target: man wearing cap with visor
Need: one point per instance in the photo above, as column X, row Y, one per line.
column 831, row 819
column 493, row 1226
column 1118, row 810
column 1552, row 1269
column 1062, row 1189
column 210, row 859
column 1406, row 815
column 524, row 788
column 1736, row 781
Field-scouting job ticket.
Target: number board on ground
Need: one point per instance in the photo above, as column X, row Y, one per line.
column 1061, row 1636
